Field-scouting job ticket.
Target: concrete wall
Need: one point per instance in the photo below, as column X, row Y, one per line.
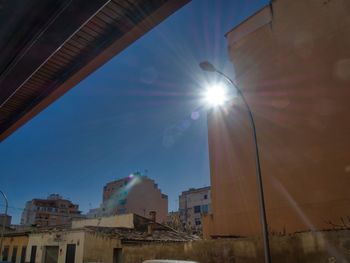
column 14, row 241
column 111, row 221
column 59, row 238
column 99, row 248
column 303, row 247
column 295, row 73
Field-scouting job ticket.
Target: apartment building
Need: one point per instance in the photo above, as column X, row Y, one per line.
column 192, row 205
column 133, row 194
column 55, row 210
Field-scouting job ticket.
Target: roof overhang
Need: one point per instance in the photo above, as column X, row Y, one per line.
column 52, row 45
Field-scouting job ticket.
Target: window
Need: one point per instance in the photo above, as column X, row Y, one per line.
column 122, row 201
column 14, row 255
column 197, row 221
column 197, row 209
column 205, row 196
column 117, row 255
column 70, row 253
column 5, row 253
column 205, row 209
column 23, row 254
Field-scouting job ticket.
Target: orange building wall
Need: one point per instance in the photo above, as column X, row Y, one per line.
column 295, row 72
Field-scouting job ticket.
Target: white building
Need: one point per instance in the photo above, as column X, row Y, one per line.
column 133, row 194
column 192, row 205
column 105, row 239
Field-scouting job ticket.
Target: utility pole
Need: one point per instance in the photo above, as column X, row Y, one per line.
column 3, row 221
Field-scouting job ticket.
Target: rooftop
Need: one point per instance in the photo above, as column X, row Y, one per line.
column 128, row 235
column 195, row 190
column 144, row 230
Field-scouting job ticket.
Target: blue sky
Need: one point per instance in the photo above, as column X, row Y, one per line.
column 136, row 113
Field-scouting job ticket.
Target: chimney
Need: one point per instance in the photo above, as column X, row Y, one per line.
column 149, row 229
column 153, row 216
column 5, row 220
column 150, row 226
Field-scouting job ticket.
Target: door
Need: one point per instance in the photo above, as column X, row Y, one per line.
column 51, row 254
column 117, row 255
column 23, row 254
column 70, row 254
column 5, row 253
column 14, row 254
column 33, row 254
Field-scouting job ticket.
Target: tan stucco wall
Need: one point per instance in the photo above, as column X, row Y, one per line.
column 14, row 241
column 50, row 239
column 295, row 73
column 146, row 197
column 99, row 248
column 110, row 221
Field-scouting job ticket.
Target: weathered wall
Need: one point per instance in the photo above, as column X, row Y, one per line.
column 99, row 248
column 14, row 241
column 303, row 247
column 145, row 197
column 295, row 73
column 59, row 238
column 110, row 221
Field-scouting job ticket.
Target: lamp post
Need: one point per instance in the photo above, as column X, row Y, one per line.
column 207, row 66
column 3, row 222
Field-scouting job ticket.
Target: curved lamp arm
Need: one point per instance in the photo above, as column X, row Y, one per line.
column 207, row 66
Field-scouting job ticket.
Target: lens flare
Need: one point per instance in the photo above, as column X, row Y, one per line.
column 216, row 95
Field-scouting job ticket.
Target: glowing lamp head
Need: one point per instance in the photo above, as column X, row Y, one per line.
column 216, row 95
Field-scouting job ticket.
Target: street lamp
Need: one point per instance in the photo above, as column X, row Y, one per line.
column 207, row 66
column 3, row 221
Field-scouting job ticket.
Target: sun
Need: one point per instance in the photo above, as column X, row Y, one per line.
column 216, row 95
